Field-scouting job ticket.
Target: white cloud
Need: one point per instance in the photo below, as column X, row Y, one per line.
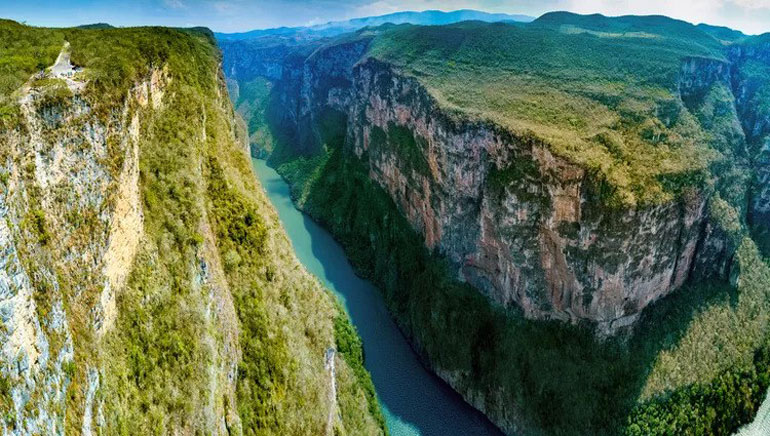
column 174, row 4
column 753, row 4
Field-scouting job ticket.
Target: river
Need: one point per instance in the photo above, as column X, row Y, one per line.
column 761, row 424
column 414, row 401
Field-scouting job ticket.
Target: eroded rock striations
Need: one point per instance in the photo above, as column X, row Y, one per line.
column 60, row 221
column 523, row 225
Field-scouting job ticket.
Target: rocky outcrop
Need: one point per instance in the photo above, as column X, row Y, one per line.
column 522, row 225
column 327, row 75
column 126, row 227
column 70, row 228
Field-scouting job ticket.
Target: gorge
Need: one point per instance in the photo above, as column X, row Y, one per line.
column 494, row 194
column 414, row 401
column 414, row 224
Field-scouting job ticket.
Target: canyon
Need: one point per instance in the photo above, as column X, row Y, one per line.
column 524, row 225
column 585, row 216
column 546, row 226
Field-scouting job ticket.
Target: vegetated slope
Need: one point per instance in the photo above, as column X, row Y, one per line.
column 146, row 286
column 379, row 130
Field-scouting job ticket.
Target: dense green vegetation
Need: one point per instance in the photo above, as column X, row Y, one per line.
column 351, row 348
column 113, row 58
column 602, row 92
column 718, row 407
column 264, row 366
column 24, row 51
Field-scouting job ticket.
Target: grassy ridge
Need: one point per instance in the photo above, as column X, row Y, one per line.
column 602, row 92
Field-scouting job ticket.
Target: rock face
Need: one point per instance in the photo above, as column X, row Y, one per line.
column 242, row 65
column 525, row 227
column 57, row 176
column 752, row 94
column 522, row 225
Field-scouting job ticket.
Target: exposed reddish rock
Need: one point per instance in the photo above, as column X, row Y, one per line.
column 539, row 239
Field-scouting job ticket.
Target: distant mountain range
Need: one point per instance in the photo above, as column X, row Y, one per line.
column 333, row 28
column 96, row 26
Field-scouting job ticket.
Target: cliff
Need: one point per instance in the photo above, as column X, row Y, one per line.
column 524, row 226
column 751, row 87
column 146, row 285
column 575, row 169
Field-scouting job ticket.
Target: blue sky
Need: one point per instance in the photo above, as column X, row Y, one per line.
column 751, row 16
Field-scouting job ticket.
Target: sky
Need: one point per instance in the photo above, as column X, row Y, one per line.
column 749, row 16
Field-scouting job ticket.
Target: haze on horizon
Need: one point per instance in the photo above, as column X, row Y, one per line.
column 749, row 16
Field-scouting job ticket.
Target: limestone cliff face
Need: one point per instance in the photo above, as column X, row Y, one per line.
column 146, row 285
column 241, row 63
column 71, row 220
column 307, row 86
column 525, row 227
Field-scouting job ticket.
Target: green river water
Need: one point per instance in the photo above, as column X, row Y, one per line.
column 415, row 402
